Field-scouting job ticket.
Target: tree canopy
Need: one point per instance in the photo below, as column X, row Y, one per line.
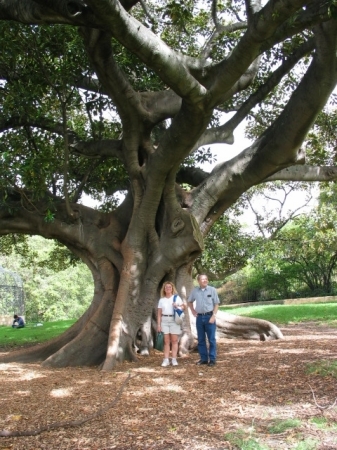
column 103, row 97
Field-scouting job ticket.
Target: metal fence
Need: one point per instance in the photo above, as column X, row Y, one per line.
column 11, row 293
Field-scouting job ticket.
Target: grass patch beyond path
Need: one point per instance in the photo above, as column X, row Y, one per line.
column 283, row 314
column 278, row 314
column 31, row 334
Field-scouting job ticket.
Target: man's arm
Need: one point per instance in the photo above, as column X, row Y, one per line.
column 216, row 302
column 190, row 302
column 215, row 309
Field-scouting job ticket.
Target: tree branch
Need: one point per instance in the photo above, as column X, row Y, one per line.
column 72, row 12
column 224, row 133
column 116, row 84
column 97, row 149
column 161, row 105
column 172, row 67
column 69, row 209
column 42, row 123
column 268, row 86
column 221, row 29
column 305, row 19
column 31, row 12
column 191, row 175
column 148, row 13
column 278, row 146
column 266, row 21
column 305, row 173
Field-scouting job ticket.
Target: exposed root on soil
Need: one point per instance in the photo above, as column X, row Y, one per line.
column 326, row 407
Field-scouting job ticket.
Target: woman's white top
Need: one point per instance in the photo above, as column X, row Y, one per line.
column 166, row 304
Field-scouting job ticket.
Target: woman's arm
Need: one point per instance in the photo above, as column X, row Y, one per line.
column 179, row 303
column 182, row 305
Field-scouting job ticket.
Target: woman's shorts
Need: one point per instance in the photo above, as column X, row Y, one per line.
column 168, row 326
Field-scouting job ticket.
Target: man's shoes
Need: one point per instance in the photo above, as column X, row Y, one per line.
column 211, row 363
column 201, row 362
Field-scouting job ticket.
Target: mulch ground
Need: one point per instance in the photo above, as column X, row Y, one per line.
column 235, row 405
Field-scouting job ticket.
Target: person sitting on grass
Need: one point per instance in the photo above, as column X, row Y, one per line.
column 18, row 322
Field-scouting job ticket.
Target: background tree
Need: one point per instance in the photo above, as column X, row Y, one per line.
column 231, row 243
column 308, row 250
column 123, row 106
column 301, row 260
column 56, row 285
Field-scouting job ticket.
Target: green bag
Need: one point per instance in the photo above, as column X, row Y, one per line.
column 159, row 341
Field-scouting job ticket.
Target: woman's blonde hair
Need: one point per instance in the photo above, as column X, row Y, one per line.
column 162, row 290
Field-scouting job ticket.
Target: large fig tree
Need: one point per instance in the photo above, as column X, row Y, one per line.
column 104, row 96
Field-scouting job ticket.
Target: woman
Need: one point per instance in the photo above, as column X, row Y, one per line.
column 166, row 323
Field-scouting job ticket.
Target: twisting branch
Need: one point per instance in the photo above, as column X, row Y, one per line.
column 219, row 28
column 271, row 82
column 72, row 423
column 42, row 123
column 238, row 18
column 49, row 11
column 249, row 10
column 64, row 7
column 305, row 173
column 171, row 66
column 214, row 13
column 78, row 191
column 304, row 19
column 96, row 149
column 191, row 175
column 70, row 212
column 258, row 218
column 224, row 133
column 24, row 197
column 149, row 15
column 274, row 226
column 30, row 138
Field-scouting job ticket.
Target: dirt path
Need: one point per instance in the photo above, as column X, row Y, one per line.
column 253, row 387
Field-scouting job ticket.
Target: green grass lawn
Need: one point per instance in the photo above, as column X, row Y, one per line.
column 282, row 314
column 31, row 334
column 278, row 314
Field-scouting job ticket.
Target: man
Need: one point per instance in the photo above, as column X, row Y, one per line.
column 18, row 322
column 206, row 306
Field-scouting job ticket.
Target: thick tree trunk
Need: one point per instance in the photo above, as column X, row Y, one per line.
column 122, row 317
